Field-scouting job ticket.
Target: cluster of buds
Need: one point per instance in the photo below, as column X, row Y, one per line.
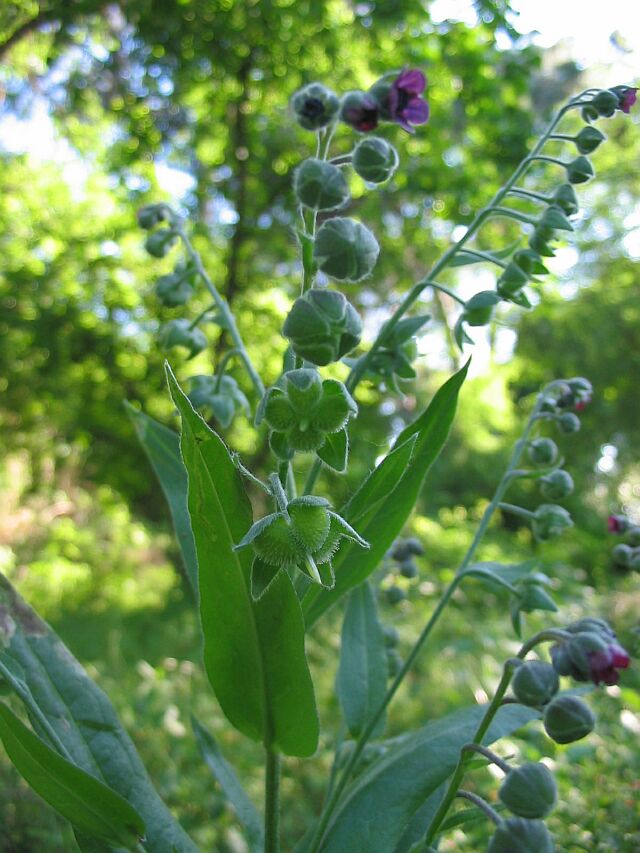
column 590, row 653
column 625, row 554
column 394, row 660
column 606, row 102
column 402, row 561
column 218, row 396
column 304, row 534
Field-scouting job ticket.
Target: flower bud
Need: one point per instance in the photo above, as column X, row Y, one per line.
column 605, row 102
column 580, row 170
column 375, row 159
column 220, row 395
column 556, row 485
column 479, row 309
column 320, row 185
column 512, row 279
column 617, row 524
column 360, row 111
column 391, row 636
column 588, row 139
column 554, row 219
column 177, row 333
column 530, row 262
column 174, row 289
column 519, row 835
column 567, row 719
column 315, row 106
column 568, row 423
column 529, row 791
column 566, row 199
column 151, row 215
column 627, row 96
column 408, row 569
column 550, row 520
column 414, row 546
column 542, row 451
column 635, row 562
column 539, row 242
column 394, row 662
column 322, row 326
column 589, row 113
column 395, row 594
column 345, row 249
column 633, row 536
column 159, row 242
column 535, row 683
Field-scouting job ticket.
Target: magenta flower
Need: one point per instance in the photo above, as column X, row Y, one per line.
column 406, row 106
column 604, row 665
column 617, row 523
column 628, row 100
column 591, row 654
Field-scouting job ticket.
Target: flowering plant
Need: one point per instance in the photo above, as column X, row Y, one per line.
column 262, row 583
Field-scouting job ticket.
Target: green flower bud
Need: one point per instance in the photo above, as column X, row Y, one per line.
column 556, row 485
column 479, row 309
column 310, row 521
column 345, row 249
column 380, row 92
column 220, row 395
column 588, row 139
column 529, row 791
column 568, row 423
column 512, row 279
column 530, row 262
column 535, row 683
column 633, row 536
column 277, row 545
column 395, row 594
column 174, row 289
column 554, row 219
column 375, row 159
column 635, row 562
column 589, row 113
column 315, row 106
column 566, row 199
column 539, row 242
column 567, row 719
column 579, row 170
column 414, row 546
column 391, row 636
column 177, row 333
column 151, row 215
column 408, row 569
column 549, row 521
column 542, row 451
column 622, row 555
column 605, row 102
column 320, row 185
column 159, row 243
column 394, row 663
column 519, row 835
column 322, row 326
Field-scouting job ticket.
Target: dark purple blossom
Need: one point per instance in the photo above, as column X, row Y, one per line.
column 591, row 654
column 604, row 665
column 617, row 523
column 360, row 110
column 628, row 100
column 406, row 106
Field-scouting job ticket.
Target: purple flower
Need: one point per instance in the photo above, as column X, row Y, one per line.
column 591, row 654
column 604, row 665
column 617, row 523
column 628, row 100
column 406, row 106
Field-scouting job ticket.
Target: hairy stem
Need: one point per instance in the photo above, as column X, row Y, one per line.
column 272, row 802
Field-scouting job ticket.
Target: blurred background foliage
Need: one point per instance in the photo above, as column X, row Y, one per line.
column 198, row 91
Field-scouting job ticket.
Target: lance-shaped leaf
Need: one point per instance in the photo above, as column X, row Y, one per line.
column 362, row 674
column 382, row 801
column 253, row 650
column 231, row 786
column 88, row 804
column 162, row 446
column 73, row 716
column 335, row 450
column 380, row 511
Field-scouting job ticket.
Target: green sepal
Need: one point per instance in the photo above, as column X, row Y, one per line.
column 335, row 450
column 262, row 575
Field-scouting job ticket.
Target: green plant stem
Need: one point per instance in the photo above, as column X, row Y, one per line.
column 359, row 369
column 545, row 199
column 226, row 358
column 222, row 306
column 481, row 804
column 334, row 797
column 516, row 510
column 272, row 802
column 488, row 754
column 485, row 256
column 201, row 316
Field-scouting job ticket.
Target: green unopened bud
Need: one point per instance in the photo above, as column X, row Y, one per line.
column 529, row 791
column 315, row 106
column 394, row 662
column 579, row 170
column 159, row 242
column 391, row 636
column 530, row 262
column 567, row 719
column 303, row 389
column 218, row 394
column 605, row 102
column 568, row 423
column 566, row 199
column 535, row 683
column 554, row 219
column 519, row 835
column 635, row 562
column 588, row 139
column 375, row 159
column 345, row 249
column 320, row 185
column 310, row 521
column 550, row 520
column 380, row 92
column 479, row 309
column 177, row 333
column 414, row 546
column 633, row 536
column 622, row 555
column 151, row 215
column 556, row 485
column 589, row 113
column 174, row 289
column 539, row 242
column 408, row 569
column 512, row 279
column 322, row 326
column 395, row 595
column 542, row 451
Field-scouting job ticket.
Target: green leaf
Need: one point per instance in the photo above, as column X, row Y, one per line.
column 231, row 786
column 362, row 674
column 500, row 574
column 75, row 717
column 383, row 800
column 376, row 515
column 162, row 446
column 253, row 650
column 335, row 450
column 88, row 804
